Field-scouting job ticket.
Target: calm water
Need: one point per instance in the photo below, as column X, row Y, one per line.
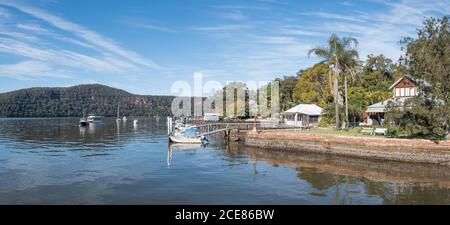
column 53, row 161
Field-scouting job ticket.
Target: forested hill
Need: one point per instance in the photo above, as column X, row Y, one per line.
column 74, row 101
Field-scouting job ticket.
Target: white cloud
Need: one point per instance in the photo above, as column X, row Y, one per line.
column 325, row 15
column 30, row 69
column 234, row 15
column 223, row 28
column 347, row 3
column 143, row 24
column 277, row 40
column 300, row 31
column 84, row 33
column 31, row 27
column 379, row 32
column 18, row 35
column 65, row 58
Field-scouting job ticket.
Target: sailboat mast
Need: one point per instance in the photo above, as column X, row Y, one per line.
column 118, row 108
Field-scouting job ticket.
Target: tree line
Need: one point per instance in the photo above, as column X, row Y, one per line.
column 81, row 100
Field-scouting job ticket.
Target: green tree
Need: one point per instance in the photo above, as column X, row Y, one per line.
column 287, row 91
column 341, row 55
column 314, row 85
column 428, row 61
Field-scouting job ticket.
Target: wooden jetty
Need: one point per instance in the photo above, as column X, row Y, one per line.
column 226, row 128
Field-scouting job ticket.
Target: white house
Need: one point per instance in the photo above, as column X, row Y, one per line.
column 303, row 115
column 404, row 88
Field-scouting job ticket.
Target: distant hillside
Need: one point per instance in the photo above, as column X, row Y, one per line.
column 73, row 101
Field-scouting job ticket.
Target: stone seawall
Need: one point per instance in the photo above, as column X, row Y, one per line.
column 420, row 151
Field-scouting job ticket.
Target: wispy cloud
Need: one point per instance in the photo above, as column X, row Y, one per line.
column 223, row 28
column 18, row 35
column 147, row 25
column 30, row 69
column 347, row 3
column 233, row 15
column 83, row 33
column 300, row 31
column 31, row 27
column 379, row 32
column 325, row 15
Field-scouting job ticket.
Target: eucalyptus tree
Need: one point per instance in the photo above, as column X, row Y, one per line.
column 340, row 55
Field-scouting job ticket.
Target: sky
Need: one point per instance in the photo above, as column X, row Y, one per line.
column 145, row 46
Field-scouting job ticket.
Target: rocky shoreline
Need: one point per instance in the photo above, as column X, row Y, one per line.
column 403, row 150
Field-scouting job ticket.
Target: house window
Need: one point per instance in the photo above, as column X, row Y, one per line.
column 397, row 92
column 413, row 91
column 407, row 92
column 402, row 91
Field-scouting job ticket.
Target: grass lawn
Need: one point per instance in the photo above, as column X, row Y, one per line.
column 354, row 132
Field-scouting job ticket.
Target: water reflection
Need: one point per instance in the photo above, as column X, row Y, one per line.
column 341, row 177
column 49, row 161
column 181, row 147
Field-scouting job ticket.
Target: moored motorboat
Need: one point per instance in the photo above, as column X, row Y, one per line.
column 94, row 119
column 187, row 135
column 180, row 138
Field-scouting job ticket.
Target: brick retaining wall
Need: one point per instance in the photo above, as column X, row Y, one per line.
column 423, row 151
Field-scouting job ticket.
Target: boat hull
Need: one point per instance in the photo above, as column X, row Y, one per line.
column 185, row 140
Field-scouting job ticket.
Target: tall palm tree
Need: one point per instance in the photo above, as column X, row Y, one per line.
column 341, row 56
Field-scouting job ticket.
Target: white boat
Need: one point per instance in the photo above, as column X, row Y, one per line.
column 83, row 121
column 187, row 135
column 124, row 118
column 135, row 122
column 94, row 119
column 180, row 138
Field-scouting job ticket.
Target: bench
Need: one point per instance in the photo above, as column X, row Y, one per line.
column 367, row 131
column 382, row 131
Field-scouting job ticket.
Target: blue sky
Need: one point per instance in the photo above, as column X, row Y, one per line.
column 145, row 46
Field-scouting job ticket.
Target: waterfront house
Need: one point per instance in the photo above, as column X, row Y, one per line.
column 303, row 115
column 404, row 88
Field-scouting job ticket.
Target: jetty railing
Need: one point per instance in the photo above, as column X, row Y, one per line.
column 210, row 127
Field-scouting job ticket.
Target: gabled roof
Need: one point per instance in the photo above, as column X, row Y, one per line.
column 307, row 109
column 401, row 78
column 381, row 106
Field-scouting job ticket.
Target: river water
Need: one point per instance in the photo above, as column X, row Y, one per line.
column 54, row 161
